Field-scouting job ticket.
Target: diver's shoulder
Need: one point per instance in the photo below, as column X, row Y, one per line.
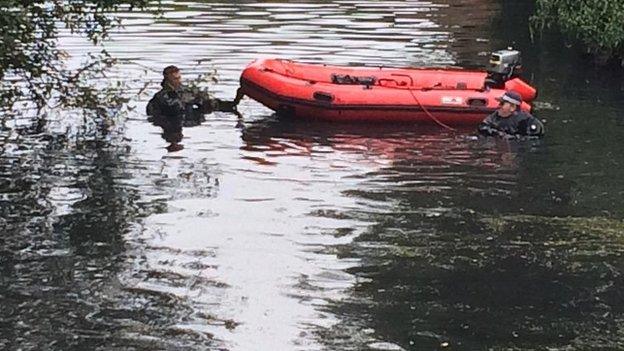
column 161, row 92
column 524, row 115
column 491, row 117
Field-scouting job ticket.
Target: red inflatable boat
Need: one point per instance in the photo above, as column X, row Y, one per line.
column 379, row 94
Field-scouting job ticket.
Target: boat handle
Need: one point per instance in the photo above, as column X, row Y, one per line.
column 398, row 84
column 322, row 96
column 404, row 75
column 477, row 102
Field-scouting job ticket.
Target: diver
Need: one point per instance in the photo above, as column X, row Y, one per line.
column 509, row 122
column 176, row 106
column 176, row 102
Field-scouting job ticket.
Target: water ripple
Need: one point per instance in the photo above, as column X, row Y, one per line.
column 264, row 233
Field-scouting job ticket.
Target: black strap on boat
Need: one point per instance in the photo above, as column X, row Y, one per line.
column 323, row 96
column 353, row 80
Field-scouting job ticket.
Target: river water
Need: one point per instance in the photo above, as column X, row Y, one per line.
column 268, row 234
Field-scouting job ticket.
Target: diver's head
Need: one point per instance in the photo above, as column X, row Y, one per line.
column 509, row 103
column 172, row 77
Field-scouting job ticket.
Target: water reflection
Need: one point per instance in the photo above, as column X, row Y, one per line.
column 171, row 130
column 432, row 168
column 448, row 243
column 398, row 153
column 261, row 233
column 429, row 281
column 64, row 220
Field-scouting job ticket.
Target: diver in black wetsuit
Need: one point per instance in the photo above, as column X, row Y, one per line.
column 175, row 106
column 509, row 122
column 177, row 101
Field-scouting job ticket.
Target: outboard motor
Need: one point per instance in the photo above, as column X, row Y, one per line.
column 504, row 65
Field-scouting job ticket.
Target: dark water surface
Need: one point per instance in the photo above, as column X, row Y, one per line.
column 265, row 234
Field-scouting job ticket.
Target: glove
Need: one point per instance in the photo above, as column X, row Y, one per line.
column 226, row 106
column 487, row 130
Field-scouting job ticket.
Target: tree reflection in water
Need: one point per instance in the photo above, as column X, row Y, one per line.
column 66, row 219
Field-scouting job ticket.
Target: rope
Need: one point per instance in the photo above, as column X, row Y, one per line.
column 287, row 69
column 429, row 114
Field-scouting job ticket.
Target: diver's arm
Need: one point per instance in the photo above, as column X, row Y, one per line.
column 152, row 108
column 224, row 105
column 239, row 96
column 488, row 127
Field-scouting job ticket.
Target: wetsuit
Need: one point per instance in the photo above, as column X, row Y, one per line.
column 185, row 104
column 518, row 124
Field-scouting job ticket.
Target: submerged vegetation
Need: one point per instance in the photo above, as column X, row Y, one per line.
column 597, row 24
column 34, row 69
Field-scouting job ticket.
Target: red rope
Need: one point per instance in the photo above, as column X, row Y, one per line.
column 429, row 114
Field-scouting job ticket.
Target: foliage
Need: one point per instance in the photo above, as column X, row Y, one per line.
column 598, row 24
column 32, row 67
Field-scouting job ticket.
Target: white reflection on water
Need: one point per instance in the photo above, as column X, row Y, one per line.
column 243, row 240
